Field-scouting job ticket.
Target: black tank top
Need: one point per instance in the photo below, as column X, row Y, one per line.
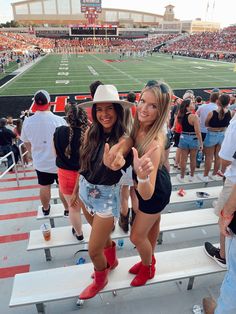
column 186, row 127
column 215, row 122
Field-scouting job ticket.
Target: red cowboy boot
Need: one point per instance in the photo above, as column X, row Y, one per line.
column 99, row 282
column 135, row 269
column 145, row 273
column 110, row 253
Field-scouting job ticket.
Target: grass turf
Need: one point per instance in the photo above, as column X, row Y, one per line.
column 51, row 73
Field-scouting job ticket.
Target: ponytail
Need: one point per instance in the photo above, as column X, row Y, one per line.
column 223, row 102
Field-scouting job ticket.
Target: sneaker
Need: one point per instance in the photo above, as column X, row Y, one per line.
column 214, row 253
column 46, row 212
column 66, row 213
column 181, row 180
column 213, row 177
column 191, row 178
column 78, row 237
column 203, row 178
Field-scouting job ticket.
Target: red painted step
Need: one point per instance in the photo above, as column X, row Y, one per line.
column 8, row 272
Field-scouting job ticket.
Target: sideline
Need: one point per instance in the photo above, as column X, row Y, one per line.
column 22, row 70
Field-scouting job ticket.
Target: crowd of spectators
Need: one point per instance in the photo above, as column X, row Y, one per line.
column 208, row 45
column 23, row 48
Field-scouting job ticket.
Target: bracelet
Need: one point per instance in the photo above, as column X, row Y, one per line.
column 143, row 180
column 224, row 216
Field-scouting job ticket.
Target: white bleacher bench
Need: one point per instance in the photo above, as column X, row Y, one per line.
column 195, row 183
column 57, row 210
column 40, row 287
column 62, row 236
column 175, row 198
column 175, row 171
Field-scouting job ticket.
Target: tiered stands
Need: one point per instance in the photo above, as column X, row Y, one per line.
column 68, row 282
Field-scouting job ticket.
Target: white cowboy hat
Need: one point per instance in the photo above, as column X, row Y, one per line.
column 106, row 94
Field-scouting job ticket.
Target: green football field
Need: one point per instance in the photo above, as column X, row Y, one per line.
column 61, row 74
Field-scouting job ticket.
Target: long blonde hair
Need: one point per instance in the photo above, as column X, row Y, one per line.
column 163, row 95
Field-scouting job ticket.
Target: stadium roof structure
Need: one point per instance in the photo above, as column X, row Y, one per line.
column 69, row 11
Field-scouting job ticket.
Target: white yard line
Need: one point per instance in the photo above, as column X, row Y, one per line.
column 91, row 69
column 118, row 70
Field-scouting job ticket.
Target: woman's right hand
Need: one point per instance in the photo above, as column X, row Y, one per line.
column 74, row 200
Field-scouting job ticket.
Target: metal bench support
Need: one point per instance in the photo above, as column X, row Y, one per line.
column 190, row 283
column 48, row 254
column 41, row 308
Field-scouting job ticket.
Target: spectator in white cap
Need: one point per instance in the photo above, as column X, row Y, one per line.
column 37, row 134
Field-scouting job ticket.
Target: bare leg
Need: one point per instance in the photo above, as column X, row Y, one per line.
column 88, row 216
column 45, row 195
column 124, row 200
column 209, row 152
column 177, row 157
column 143, row 224
column 75, row 215
column 183, row 161
column 99, row 237
column 217, row 161
column 63, row 200
column 193, row 154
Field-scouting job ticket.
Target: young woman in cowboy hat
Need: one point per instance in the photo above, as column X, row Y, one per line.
column 98, row 185
column 153, row 186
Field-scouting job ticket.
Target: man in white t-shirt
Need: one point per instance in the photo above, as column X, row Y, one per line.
column 203, row 111
column 37, row 134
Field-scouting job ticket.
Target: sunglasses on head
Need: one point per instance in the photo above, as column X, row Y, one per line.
column 164, row 88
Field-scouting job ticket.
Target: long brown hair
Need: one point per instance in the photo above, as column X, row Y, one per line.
column 183, row 109
column 96, row 134
column 163, row 95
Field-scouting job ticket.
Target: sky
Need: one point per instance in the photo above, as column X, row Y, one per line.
column 208, row 10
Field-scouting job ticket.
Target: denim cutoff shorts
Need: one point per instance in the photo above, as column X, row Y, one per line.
column 188, row 141
column 104, row 200
column 213, row 138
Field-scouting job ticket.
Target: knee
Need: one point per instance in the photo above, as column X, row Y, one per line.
column 135, row 238
column 94, row 253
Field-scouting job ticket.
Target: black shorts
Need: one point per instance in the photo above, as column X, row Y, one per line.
column 45, row 178
column 161, row 195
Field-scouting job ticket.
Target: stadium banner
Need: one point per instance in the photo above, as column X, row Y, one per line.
column 13, row 105
column 87, row 5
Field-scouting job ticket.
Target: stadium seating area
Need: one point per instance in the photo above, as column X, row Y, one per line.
column 209, row 45
column 213, row 45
